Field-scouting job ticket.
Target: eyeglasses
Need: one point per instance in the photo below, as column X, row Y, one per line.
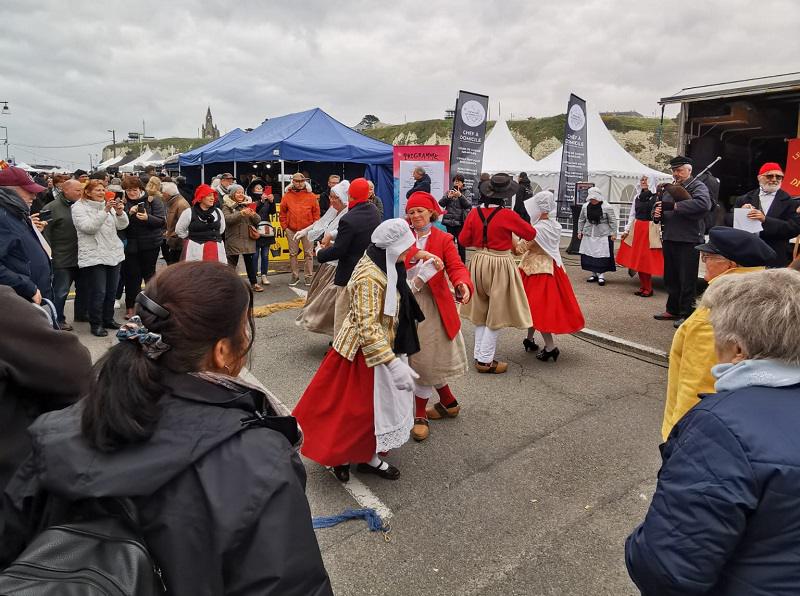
column 707, row 256
column 773, row 176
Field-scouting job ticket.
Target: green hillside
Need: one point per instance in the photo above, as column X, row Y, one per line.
column 539, row 136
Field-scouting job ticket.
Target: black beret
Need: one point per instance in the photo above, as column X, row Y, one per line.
column 743, row 248
column 679, row 161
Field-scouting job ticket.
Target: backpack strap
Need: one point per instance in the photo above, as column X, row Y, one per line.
column 486, row 221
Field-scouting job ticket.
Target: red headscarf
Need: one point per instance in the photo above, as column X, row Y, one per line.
column 201, row 192
column 424, row 200
column 358, row 192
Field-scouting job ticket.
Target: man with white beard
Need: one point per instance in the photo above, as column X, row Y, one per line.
column 775, row 209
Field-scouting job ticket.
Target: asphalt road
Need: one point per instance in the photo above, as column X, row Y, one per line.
column 531, row 490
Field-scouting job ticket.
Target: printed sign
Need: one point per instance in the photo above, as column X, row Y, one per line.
column 574, row 156
column 434, row 159
column 469, row 134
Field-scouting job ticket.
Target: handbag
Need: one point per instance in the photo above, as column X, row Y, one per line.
column 654, row 231
column 252, row 231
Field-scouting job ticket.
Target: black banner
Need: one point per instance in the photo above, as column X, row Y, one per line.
column 466, row 148
column 574, row 166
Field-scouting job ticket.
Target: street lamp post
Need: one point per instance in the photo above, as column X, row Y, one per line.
column 113, row 140
column 5, row 111
column 5, row 141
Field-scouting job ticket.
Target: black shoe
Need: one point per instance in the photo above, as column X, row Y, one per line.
column 112, row 324
column 678, row 322
column 529, row 345
column 592, row 279
column 99, row 331
column 601, row 282
column 342, row 473
column 666, row 316
column 83, row 319
column 390, row 473
column 545, row 355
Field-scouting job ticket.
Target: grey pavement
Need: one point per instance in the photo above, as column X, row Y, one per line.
column 531, row 490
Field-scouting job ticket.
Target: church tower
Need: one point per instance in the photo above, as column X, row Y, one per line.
column 209, row 130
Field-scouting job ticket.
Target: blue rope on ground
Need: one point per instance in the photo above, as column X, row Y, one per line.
column 374, row 521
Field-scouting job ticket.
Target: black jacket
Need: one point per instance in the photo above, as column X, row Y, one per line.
column 781, row 224
column 456, row 209
column 684, row 221
column 643, row 205
column 423, row 185
column 353, row 238
column 40, row 370
column 148, row 234
column 523, row 194
column 24, row 265
column 222, row 507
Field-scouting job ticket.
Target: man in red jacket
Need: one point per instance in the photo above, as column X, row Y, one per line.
column 299, row 208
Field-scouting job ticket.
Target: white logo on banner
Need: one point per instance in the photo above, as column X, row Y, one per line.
column 576, row 118
column 472, row 113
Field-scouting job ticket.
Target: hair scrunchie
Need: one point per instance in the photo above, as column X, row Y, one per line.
column 151, row 343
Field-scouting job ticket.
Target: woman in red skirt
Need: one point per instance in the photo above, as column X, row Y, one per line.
column 640, row 249
column 554, row 308
column 361, row 401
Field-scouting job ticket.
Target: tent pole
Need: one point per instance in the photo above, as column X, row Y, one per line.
column 202, row 173
column 281, row 180
column 234, row 171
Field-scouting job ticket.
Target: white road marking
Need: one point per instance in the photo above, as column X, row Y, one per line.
column 299, row 292
column 357, row 489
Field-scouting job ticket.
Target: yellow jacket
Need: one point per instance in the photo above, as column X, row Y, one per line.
column 690, row 360
column 366, row 327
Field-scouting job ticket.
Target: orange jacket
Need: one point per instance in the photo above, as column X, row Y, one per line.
column 298, row 210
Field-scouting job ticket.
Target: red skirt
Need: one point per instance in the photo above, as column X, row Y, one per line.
column 554, row 308
column 640, row 257
column 336, row 412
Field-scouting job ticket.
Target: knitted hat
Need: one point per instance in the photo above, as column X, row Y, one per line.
column 424, row 200
column 202, row 191
column 395, row 237
column 770, row 166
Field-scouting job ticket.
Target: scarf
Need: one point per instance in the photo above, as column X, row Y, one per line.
column 548, row 231
column 755, row 373
column 406, row 340
column 594, row 213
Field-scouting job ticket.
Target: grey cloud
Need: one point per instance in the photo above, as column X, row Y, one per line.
column 73, row 71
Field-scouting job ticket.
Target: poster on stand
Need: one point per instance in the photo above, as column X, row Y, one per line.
column 574, row 157
column 469, row 133
column 791, row 179
column 434, row 159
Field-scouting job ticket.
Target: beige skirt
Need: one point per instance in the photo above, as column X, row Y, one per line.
column 317, row 314
column 499, row 300
column 440, row 359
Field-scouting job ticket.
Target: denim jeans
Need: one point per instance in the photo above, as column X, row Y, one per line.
column 102, row 284
column 262, row 251
column 62, row 281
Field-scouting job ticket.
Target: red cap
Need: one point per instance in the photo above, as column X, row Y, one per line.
column 424, row 200
column 359, row 189
column 202, row 191
column 770, row 166
column 14, row 176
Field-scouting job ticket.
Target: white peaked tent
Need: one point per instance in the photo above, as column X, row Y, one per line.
column 612, row 169
column 501, row 153
column 111, row 162
column 145, row 159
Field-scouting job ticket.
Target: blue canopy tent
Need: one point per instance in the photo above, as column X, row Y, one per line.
column 312, row 136
column 195, row 156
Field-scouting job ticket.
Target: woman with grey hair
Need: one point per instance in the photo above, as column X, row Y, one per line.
column 724, row 516
column 241, row 233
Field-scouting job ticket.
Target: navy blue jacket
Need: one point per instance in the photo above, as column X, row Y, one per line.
column 724, row 519
column 24, row 265
column 352, row 239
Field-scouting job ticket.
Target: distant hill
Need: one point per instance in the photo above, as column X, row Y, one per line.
column 166, row 147
column 540, row 136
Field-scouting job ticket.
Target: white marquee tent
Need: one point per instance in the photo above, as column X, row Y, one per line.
column 111, row 162
column 501, row 153
column 612, row 169
column 145, row 159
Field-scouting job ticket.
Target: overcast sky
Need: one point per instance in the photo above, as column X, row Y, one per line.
column 70, row 71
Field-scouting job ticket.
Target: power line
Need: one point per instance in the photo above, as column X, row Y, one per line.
column 59, row 146
column 50, row 159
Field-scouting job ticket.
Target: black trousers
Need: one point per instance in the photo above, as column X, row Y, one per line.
column 101, row 281
column 681, row 262
column 139, row 265
column 455, row 231
column 249, row 265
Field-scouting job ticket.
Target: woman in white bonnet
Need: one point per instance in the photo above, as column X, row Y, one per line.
column 361, row 400
column 597, row 230
column 554, row 308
